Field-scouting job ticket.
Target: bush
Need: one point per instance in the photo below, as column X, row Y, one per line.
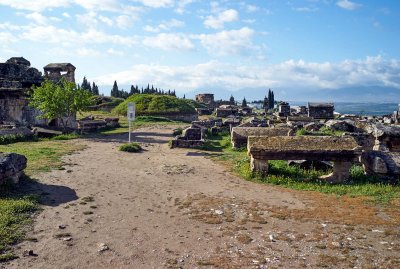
column 9, row 139
column 177, row 131
column 132, row 147
column 150, row 104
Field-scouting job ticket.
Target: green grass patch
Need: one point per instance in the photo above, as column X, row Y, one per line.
column 131, row 147
column 15, row 214
column 294, row 177
column 324, row 131
column 16, row 211
column 65, row 137
column 43, row 155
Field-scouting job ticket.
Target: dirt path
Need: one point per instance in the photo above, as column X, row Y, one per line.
column 176, row 208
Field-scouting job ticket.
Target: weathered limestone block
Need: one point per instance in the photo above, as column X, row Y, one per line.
column 364, row 140
column 112, row 122
column 387, row 137
column 343, row 151
column 313, row 126
column 381, row 163
column 12, row 166
column 341, row 125
column 22, row 131
column 86, row 126
column 191, row 134
column 340, row 172
column 239, row 135
column 259, row 166
column 180, row 143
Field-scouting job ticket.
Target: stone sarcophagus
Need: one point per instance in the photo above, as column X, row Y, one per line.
column 343, row 151
column 239, row 135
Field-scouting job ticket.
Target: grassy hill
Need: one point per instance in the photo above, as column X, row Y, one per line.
column 151, row 104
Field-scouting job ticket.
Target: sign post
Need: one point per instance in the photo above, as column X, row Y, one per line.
column 131, row 117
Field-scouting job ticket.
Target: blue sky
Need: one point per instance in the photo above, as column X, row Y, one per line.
column 292, row 46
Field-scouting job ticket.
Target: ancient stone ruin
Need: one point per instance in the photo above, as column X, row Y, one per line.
column 16, row 79
column 56, row 71
column 321, row 110
column 191, row 137
column 343, row 151
column 207, row 99
column 240, row 135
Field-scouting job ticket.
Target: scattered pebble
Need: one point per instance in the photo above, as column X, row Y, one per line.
column 67, row 239
column 103, row 247
column 62, row 226
column 219, row 212
column 28, row 253
column 271, row 237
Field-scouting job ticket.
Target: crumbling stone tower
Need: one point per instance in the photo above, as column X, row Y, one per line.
column 56, row 71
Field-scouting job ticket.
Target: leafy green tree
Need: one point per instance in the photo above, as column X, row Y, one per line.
column 61, row 100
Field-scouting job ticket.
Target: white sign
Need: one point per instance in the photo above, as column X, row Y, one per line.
column 131, row 111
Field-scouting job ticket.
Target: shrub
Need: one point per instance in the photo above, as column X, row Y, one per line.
column 150, row 104
column 177, row 131
column 9, row 139
column 132, row 147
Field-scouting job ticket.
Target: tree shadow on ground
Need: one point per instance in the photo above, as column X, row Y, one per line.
column 48, row 194
column 140, row 137
column 202, row 154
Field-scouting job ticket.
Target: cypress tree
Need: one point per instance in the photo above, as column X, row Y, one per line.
column 115, row 91
column 244, row 102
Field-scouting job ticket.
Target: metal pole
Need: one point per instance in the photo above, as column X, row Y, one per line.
column 129, row 130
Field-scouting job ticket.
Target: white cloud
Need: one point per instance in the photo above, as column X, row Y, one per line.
column 228, row 42
column 252, row 8
column 36, row 5
column 217, row 22
column 346, row 4
column 169, row 42
column 87, row 52
column 124, row 21
column 10, row 26
column 37, row 17
column 372, row 71
column 7, row 38
column 156, row 3
column 306, row 9
column 89, row 5
column 106, row 20
column 88, row 19
column 66, row 37
column 66, row 15
column 112, row 51
column 181, row 5
column 151, row 29
column 173, row 23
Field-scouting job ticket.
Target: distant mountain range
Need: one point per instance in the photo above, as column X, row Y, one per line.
column 355, row 94
column 359, row 94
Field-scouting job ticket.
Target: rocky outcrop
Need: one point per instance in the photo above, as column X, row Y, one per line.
column 12, row 166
